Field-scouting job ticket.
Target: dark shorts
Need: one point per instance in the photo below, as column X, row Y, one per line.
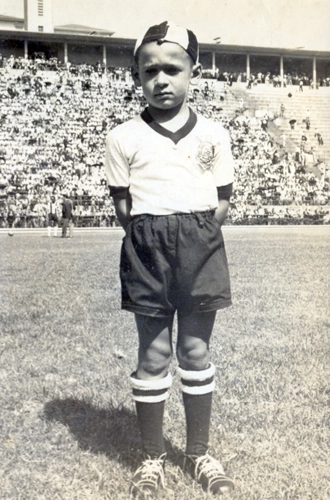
column 174, row 263
column 52, row 218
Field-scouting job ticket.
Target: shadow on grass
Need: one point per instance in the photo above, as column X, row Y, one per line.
column 113, row 431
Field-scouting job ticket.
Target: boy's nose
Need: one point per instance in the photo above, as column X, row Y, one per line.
column 161, row 80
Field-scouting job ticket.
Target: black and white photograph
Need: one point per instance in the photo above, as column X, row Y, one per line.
column 164, row 250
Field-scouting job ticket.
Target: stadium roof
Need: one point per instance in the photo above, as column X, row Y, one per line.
column 79, row 29
column 91, row 36
column 67, row 29
column 11, row 18
column 284, row 24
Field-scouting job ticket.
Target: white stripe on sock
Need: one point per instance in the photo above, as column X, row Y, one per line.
column 151, row 399
column 152, row 385
column 194, row 375
column 198, row 389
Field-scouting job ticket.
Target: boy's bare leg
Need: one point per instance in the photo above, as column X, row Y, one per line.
column 194, row 332
column 197, row 377
column 155, row 346
column 151, row 381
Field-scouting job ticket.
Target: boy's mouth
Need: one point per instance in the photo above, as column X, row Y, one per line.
column 163, row 94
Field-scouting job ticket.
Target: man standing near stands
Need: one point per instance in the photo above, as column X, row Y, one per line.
column 67, row 217
column 319, row 138
column 52, row 216
column 307, row 123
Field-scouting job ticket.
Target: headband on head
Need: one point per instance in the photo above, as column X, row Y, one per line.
column 170, row 32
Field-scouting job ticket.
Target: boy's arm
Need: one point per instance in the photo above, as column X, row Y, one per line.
column 221, row 211
column 224, row 193
column 123, row 204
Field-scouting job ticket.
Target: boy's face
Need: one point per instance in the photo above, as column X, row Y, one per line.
column 165, row 71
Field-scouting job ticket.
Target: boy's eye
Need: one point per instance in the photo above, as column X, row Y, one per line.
column 151, row 71
column 168, row 71
column 172, row 71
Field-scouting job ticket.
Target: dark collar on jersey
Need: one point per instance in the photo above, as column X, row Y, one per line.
column 174, row 136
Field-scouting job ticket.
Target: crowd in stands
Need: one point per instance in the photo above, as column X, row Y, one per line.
column 40, row 63
column 268, row 78
column 52, row 141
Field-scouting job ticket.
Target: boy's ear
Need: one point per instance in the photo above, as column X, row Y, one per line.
column 135, row 75
column 196, row 73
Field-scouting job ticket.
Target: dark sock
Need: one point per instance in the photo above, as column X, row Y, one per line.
column 150, row 397
column 198, row 416
column 197, row 389
column 150, row 418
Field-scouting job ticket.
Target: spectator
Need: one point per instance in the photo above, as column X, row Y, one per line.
column 319, row 138
column 307, row 123
column 292, row 123
column 67, row 217
column 53, row 220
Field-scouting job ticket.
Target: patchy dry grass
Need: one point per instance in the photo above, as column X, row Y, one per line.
column 67, row 422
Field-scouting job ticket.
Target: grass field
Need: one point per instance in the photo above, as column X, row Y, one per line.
column 67, row 422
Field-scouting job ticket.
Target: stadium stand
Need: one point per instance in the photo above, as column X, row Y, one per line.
column 54, row 119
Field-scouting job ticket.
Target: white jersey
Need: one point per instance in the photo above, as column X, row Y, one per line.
column 169, row 172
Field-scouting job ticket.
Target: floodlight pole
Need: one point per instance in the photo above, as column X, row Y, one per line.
column 65, row 52
column 213, row 62
column 281, row 70
column 247, row 67
column 105, row 55
column 26, row 49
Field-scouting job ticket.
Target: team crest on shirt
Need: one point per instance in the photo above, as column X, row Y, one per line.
column 205, row 153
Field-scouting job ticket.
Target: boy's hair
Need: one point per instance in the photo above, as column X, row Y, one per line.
column 169, row 32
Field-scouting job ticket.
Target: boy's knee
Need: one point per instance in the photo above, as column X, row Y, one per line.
column 155, row 350
column 155, row 362
column 194, row 356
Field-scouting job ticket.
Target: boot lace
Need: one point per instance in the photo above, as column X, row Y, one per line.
column 150, row 474
column 208, row 466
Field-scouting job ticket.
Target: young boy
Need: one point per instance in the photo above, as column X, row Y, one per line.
column 170, row 174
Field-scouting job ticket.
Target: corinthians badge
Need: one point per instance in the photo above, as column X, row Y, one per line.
column 205, row 154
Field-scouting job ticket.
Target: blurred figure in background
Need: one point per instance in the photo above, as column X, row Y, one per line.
column 52, row 216
column 67, row 217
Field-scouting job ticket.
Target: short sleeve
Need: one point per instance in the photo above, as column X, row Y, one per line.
column 116, row 164
column 223, row 168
